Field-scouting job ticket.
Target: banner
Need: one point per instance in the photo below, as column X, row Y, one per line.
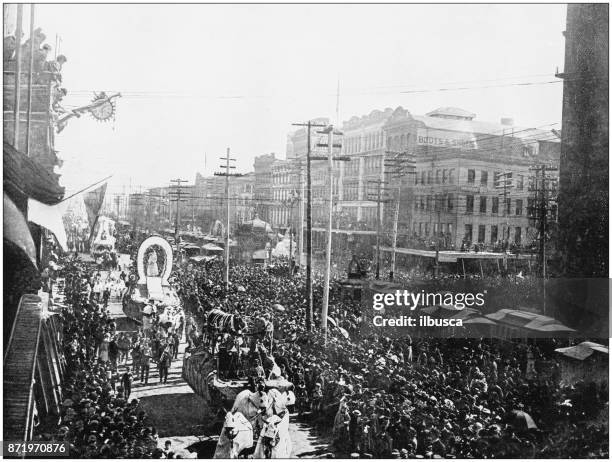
column 93, row 203
column 16, row 229
column 49, row 217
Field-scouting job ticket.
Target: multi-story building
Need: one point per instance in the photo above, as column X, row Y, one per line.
column 209, row 203
column 470, row 182
column 584, row 176
column 364, row 142
column 457, row 192
column 262, row 190
column 285, row 194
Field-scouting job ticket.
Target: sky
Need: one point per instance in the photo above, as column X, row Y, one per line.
column 197, row 79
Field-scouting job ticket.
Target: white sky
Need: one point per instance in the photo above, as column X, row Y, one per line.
column 200, row 78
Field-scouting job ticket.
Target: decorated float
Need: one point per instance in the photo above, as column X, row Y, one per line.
column 150, row 296
column 103, row 241
column 226, row 363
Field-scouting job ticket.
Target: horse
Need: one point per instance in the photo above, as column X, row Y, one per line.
column 220, row 322
column 250, row 404
column 223, row 322
column 274, row 440
column 236, row 437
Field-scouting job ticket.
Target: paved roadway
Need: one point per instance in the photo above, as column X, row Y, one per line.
column 184, row 418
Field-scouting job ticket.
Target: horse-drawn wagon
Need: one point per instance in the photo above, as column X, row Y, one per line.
column 234, row 356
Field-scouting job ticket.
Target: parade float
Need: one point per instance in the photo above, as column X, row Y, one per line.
column 150, row 296
column 103, row 238
column 218, row 370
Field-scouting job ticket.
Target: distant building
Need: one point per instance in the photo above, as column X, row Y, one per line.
column 453, row 193
column 584, row 176
column 262, row 189
column 285, row 195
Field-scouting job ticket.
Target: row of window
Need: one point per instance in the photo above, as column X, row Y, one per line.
column 360, row 143
column 447, row 176
column 494, row 235
column 499, row 178
column 447, row 202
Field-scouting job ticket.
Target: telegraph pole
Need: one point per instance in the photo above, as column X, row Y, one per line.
column 30, row 76
column 503, row 181
column 379, row 200
column 309, row 312
column 544, row 190
column 177, row 220
column 330, row 172
column 17, row 101
column 399, row 165
column 227, row 175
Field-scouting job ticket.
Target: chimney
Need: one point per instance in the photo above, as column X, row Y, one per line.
column 507, row 121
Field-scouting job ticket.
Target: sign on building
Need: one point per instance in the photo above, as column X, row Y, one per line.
column 446, row 139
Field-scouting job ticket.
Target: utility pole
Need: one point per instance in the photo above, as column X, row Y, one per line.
column 309, row 312
column 399, row 166
column 545, row 190
column 379, row 200
column 17, row 102
column 503, row 181
column 30, row 76
column 227, row 175
column 179, row 197
column 330, row 178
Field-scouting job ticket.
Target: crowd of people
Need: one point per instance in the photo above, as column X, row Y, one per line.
column 98, row 418
column 401, row 398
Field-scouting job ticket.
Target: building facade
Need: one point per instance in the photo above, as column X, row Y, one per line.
column 584, row 176
column 471, row 181
column 458, row 180
column 262, row 189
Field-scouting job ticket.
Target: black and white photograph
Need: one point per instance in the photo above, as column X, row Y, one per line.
column 306, row 230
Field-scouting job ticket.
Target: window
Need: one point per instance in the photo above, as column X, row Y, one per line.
column 508, row 205
column 493, row 234
column 467, row 235
column 483, row 204
column 519, row 206
column 531, row 207
column 420, row 229
column 517, row 235
column 471, row 176
column 520, row 181
column 444, row 173
column 451, row 175
column 429, row 177
column 449, row 203
column 495, row 205
column 469, row 204
column 437, row 176
column 484, row 177
column 426, row 229
column 428, row 207
column 481, row 233
column 423, row 173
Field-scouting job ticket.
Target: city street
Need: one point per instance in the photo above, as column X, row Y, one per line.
column 182, row 417
column 388, row 240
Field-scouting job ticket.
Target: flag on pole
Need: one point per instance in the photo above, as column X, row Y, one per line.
column 93, row 203
column 49, row 217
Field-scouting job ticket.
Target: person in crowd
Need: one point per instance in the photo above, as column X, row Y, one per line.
column 163, row 365
column 145, row 363
column 126, row 382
